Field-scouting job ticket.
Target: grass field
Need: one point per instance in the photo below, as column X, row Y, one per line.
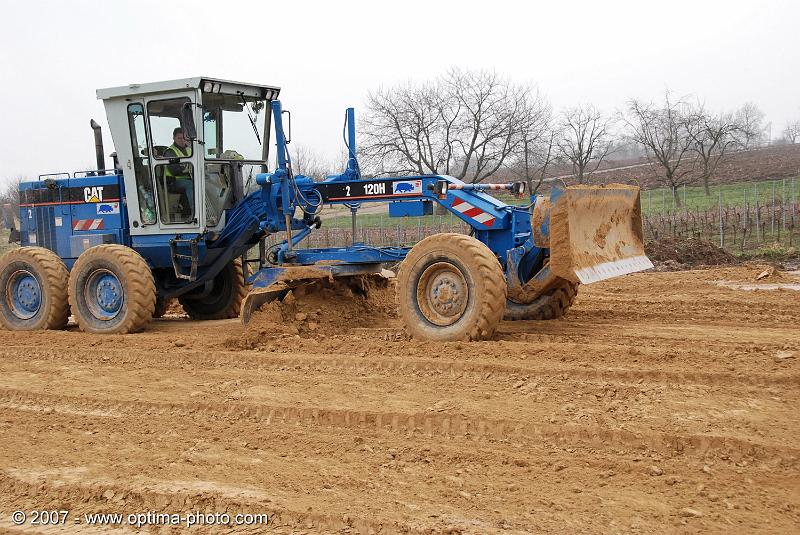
column 693, row 197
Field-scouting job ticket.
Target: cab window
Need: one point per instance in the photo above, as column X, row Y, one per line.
column 233, row 126
column 141, row 164
column 166, row 129
column 176, row 196
column 218, row 190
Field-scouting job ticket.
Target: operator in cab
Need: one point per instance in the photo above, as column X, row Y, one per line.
column 179, row 175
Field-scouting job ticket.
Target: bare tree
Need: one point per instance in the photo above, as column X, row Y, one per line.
column 586, row 139
column 667, row 136
column 537, row 149
column 306, row 161
column 750, row 121
column 466, row 124
column 792, row 132
column 713, row 135
column 9, row 203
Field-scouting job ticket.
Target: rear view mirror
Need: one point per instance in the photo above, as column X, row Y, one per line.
column 287, row 132
column 187, row 122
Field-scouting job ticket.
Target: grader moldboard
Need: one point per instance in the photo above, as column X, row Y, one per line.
column 113, row 246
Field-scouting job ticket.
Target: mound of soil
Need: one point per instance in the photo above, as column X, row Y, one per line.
column 683, row 253
column 322, row 309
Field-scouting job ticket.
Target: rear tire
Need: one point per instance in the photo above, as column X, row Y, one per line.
column 111, row 290
column 33, row 290
column 162, row 305
column 451, row 287
column 552, row 304
column 225, row 299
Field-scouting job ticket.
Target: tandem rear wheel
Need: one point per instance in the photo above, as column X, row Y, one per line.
column 451, row 287
column 33, row 290
column 111, row 290
column 224, row 301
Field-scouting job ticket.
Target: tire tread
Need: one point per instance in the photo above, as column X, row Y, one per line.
column 141, row 291
column 54, row 278
column 553, row 303
column 484, row 265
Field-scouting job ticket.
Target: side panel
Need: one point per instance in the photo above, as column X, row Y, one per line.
column 53, row 217
column 44, row 215
column 155, row 248
column 97, row 213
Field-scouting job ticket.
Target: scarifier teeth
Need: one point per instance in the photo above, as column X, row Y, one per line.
column 608, row 270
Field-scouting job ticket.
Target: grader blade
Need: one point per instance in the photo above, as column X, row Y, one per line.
column 256, row 298
column 274, row 283
column 596, row 233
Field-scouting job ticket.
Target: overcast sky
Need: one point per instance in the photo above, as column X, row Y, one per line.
column 328, row 55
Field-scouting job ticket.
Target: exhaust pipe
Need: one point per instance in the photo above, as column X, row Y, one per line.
column 98, row 147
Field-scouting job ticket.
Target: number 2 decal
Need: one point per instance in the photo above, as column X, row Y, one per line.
column 347, row 191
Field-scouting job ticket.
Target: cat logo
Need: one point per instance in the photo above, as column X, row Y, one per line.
column 94, row 194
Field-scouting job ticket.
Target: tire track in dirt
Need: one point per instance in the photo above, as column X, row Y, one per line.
column 675, row 394
column 108, row 495
column 516, row 468
column 230, row 360
column 408, row 424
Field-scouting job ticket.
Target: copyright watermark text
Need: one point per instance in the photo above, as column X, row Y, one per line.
column 148, row 518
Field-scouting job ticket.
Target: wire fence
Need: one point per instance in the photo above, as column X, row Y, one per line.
column 742, row 216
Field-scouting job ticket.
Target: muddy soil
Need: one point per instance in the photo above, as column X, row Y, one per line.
column 664, row 402
column 322, row 309
column 679, row 254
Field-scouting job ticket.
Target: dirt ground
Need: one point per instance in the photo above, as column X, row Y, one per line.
column 664, row 402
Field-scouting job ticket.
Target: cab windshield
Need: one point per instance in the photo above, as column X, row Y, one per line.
column 233, row 126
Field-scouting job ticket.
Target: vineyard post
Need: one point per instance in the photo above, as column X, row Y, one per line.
column 746, row 210
column 758, row 215
column 772, row 214
column 794, row 203
column 721, row 229
column 783, row 203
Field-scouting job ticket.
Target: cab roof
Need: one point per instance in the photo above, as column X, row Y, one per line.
column 207, row 84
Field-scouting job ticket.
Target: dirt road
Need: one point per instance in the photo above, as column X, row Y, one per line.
column 664, row 402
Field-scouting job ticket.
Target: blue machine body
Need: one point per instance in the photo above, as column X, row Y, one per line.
column 67, row 214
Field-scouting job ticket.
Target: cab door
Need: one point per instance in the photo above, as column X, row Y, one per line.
column 174, row 163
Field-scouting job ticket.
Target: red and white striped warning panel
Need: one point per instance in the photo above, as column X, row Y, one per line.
column 88, row 224
column 473, row 212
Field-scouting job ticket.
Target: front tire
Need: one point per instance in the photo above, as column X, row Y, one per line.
column 451, row 287
column 552, row 304
column 225, row 299
column 33, row 290
column 111, row 290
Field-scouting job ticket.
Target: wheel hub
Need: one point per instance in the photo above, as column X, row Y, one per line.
column 23, row 294
column 104, row 294
column 442, row 293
